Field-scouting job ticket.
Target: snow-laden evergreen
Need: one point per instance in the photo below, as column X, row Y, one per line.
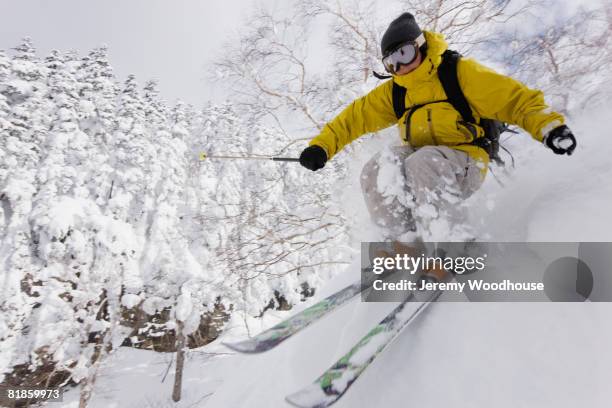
column 113, row 231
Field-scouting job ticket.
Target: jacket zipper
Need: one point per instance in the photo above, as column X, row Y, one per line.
column 411, row 111
column 431, row 127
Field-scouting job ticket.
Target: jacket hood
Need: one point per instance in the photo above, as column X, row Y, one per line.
column 436, row 45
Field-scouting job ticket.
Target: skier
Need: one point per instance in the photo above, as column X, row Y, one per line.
column 444, row 157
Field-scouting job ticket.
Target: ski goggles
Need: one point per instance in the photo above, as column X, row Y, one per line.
column 404, row 54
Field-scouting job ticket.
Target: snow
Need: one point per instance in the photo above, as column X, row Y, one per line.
column 390, row 177
column 471, row 354
column 373, row 344
column 19, row 86
column 309, row 396
column 153, row 304
column 184, row 306
column 130, row 300
column 134, row 244
column 64, row 215
column 550, row 197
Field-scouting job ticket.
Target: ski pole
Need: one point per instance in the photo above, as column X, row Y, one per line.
column 204, row 156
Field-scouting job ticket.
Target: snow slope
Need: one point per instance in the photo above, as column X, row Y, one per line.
column 455, row 354
column 550, row 197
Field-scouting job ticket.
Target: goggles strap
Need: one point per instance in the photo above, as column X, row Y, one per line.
column 420, row 40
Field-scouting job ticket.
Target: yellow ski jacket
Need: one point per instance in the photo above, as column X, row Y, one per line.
column 490, row 95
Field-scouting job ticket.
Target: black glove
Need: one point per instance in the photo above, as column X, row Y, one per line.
column 561, row 140
column 313, row 158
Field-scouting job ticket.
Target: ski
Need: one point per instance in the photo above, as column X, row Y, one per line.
column 275, row 335
column 335, row 382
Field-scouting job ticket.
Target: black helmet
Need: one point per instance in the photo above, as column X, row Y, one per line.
column 402, row 29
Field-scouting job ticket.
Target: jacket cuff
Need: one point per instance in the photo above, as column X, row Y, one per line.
column 547, row 129
column 313, row 143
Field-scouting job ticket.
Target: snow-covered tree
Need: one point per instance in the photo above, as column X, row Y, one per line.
column 267, row 236
column 465, row 24
column 98, row 87
column 97, row 118
column 132, row 151
column 156, row 109
column 5, row 129
column 112, row 231
column 61, row 303
column 24, row 121
column 567, row 59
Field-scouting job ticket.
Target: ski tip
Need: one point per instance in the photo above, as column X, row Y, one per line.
column 311, row 397
column 293, row 401
column 245, row 347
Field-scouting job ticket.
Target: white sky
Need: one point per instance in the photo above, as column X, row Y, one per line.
column 172, row 41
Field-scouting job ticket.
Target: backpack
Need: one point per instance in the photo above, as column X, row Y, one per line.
column 447, row 73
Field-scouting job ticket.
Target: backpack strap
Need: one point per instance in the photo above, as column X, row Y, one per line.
column 447, row 72
column 399, row 100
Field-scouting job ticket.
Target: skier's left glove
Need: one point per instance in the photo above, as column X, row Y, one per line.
column 561, row 140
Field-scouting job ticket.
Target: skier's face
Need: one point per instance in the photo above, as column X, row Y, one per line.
column 405, row 69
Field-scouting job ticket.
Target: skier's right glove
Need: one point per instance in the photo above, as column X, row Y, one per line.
column 561, row 140
column 313, row 158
